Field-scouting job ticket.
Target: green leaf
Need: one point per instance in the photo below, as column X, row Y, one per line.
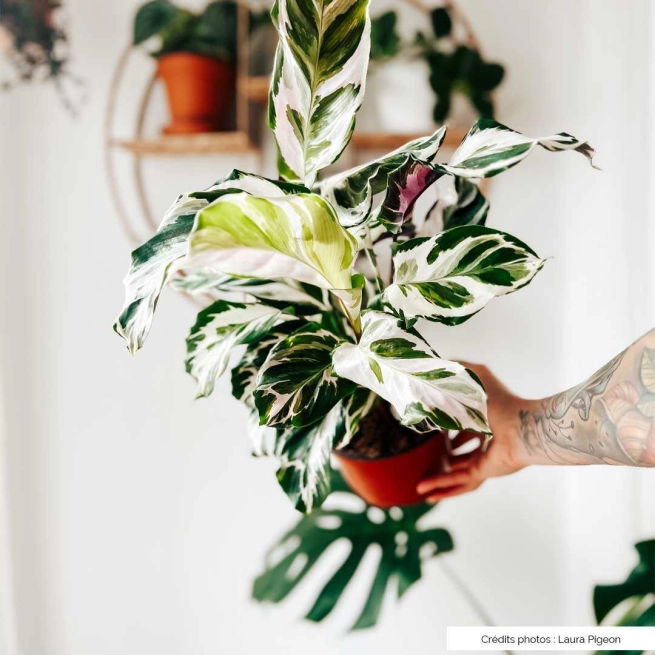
column 296, row 385
column 453, row 275
column 152, row 18
column 396, row 175
column 639, row 583
column 491, row 148
column 216, row 31
column 426, row 391
column 296, row 236
column 154, row 263
column 398, row 535
column 318, row 81
column 385, row 42
column 442, row 24
column 219, row 329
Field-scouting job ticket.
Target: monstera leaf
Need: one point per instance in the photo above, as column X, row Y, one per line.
column 451, row 276
column 351, row 192
column 426, row 391
column 639, row 588
column 154, row 262
column 405, row 547
column 296, row 385
column 295, row 236
column 219, row 329
column 491, row 148
column 318, row 81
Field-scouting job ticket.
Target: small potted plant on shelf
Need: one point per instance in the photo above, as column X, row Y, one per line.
column 444, row 55
column 196, row 60
column 333, row 357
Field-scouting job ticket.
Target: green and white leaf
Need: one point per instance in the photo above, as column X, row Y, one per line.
column 427, row 392
column 218, row 330
column 296, row 237
column 296, row 385
column 207, row 281
column 459, row 202
column 318, row 81
column 453, row 275
column 352, row 192
column 305, row 467
column 491, row 148
column 156, row 261
column 244, row 374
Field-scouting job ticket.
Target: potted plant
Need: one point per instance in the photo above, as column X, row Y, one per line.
column 445, row 56
column 195, row 59
column 333, row 355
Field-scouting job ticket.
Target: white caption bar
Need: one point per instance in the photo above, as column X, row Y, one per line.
column 558, row 639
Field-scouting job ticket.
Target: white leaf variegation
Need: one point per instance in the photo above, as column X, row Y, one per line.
column 304, row 453
column 318, row 81
column 351, row 193
column 296, row 237
column 491, row 148
column 157, row 260
column 209, row 282
column 426, row 391
column 451, row 276
column 219, row 329
column 296, row 385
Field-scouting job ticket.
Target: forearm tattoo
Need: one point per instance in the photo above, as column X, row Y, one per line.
column 608, row 419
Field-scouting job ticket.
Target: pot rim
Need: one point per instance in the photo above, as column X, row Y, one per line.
column 433, row 435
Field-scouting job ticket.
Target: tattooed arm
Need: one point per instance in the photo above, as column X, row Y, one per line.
column 607, row 419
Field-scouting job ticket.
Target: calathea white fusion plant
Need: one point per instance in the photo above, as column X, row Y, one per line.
column 325, row 336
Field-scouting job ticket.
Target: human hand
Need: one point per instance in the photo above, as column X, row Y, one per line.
column 505, row 454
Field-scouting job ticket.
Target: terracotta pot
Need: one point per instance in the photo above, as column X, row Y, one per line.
column 390, row 481
column 200, row 92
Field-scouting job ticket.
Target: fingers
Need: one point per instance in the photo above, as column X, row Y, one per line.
column 450, row 492
column 464, row 443
column 444, row 481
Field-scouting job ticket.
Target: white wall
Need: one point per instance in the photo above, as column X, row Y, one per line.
column 138, row 518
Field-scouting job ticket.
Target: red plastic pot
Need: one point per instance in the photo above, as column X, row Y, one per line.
column 391, row 481
column 200, row 91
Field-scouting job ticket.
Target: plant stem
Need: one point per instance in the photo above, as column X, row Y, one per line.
column 470, row 598
column 373, row 261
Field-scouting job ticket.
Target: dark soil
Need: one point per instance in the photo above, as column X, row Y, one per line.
column 381, row 435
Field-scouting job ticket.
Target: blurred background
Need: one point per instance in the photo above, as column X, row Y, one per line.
column 133, row 519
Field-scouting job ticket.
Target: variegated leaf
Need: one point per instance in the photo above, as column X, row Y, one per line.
column 244, row 374
column 296, row 385
column 154, row 262
column 219, row 329
column 459, row 202
column 491, row 148
column 296, row 237
column 306, row 298
column 318, row 81
column 426, row 391
column 351, row 192
column 453, row 275
column 304, row 453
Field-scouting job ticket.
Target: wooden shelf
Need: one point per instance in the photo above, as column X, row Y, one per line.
column 382, row 141
column 256, row 88
column 190, row 144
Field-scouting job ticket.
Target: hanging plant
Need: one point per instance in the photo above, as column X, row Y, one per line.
column 455, row 63
column 34, row 41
